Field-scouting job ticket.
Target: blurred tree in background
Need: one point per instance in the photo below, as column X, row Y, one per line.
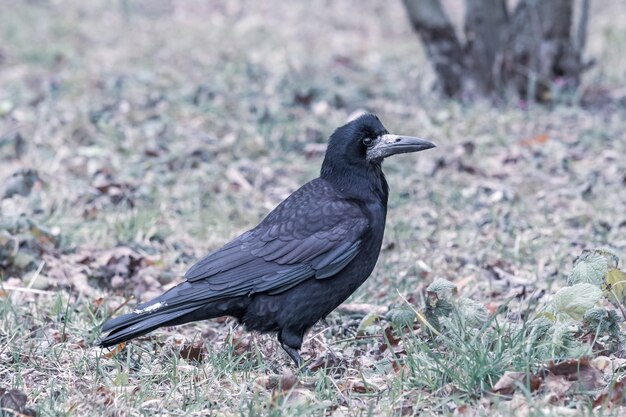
column 533, row 52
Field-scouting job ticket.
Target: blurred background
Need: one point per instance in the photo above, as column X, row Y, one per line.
column 183, row 123
column 137, row 135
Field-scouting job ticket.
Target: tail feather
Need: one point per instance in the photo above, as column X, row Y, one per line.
column 162, row 311
column 133, row 325
column 146, row 317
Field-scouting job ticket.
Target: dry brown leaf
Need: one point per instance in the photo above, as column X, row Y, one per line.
column 288, row 380
column 518, row 406
column 602, row 363
column 117, row 349
column 81, row 284
column 579, row 371
column 492, row 308
column 105, row 394
column 238, row 181
column 511, row 380
column 463, row 410
column 536, row 140
column 284, row 382
column 388, row 339
column 460, row 284
column 361, row 386
column 97, row 302
column 324, row 361
column 613, row 395
column 195, row 352
column 58, row 336
column 241, row 343
column 15, row 400
column 568, row 366
column 556, row 385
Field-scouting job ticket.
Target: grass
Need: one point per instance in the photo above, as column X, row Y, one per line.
column 160, row 130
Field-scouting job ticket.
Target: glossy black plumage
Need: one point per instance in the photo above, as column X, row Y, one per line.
column 303, row 260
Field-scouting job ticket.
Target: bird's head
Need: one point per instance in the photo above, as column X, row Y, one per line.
column 364, row 142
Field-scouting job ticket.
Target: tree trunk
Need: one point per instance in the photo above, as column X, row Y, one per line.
column 442, row 46
column 532, row 53
column 485, row 25
column 540, row 49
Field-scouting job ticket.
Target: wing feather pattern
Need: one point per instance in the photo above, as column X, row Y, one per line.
column 313, row 233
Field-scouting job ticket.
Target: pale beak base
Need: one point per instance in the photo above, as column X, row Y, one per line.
column 387, row 145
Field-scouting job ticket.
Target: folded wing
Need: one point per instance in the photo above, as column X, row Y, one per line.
column 313, row 233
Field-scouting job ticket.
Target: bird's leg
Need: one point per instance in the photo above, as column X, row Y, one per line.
column 293, row 354
column 291, row 343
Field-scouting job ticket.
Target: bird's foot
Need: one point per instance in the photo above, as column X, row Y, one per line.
column 293, row 354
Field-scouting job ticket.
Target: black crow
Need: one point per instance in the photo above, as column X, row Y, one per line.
column 303, row 260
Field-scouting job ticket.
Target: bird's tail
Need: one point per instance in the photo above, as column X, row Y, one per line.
column 164, row 310
column 132, row 325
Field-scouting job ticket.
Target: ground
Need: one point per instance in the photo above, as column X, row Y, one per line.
column 135, row 136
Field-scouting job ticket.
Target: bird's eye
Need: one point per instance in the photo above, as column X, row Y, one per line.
column 368, row 141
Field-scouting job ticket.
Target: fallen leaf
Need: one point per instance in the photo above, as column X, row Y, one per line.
column 557, row 385
column 389, row 339
column 97, row 302
column 117, row 349
column 21, row 182
column 105, row 394
column 288, row 380
column 360, row 385
column 238, row 180
column 536, row 140
column 492, row 308
column 196, row 351
column 511, row 380
column 567, row 367
column 579, row 371
column 284, row 382
column 601, row 362
column 58, row 336
column 15, row 400
column 241, row 343
column 460, row 284
column 613, row 395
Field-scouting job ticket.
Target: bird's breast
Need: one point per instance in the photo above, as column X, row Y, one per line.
column 363, row 264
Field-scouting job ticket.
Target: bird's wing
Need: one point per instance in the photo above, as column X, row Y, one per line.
column 314, row 232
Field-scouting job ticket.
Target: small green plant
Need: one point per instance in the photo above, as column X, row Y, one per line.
column 460, row 345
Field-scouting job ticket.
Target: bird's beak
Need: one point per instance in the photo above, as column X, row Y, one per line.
column 387, row 145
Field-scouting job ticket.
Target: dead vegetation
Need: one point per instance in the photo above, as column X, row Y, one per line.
column 136, row 136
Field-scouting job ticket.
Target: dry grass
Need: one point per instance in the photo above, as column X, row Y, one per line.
column 160, row 130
